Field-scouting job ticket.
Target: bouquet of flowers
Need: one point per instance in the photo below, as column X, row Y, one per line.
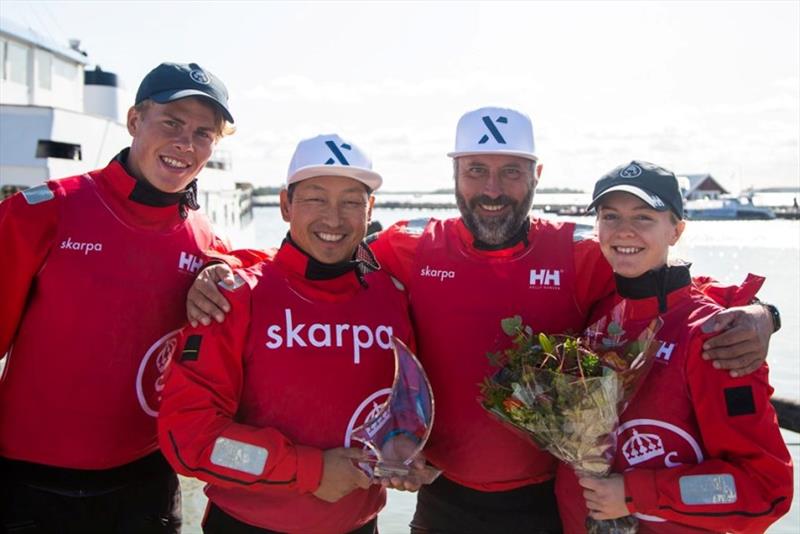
column 567, row 392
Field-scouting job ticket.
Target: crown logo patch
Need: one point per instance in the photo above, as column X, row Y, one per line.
column 642, row 447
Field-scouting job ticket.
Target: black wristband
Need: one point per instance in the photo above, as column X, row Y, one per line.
column 775, row 314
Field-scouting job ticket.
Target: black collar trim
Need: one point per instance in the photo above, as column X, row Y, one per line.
column 362, row 263
column 656, row 283
column 145, row 193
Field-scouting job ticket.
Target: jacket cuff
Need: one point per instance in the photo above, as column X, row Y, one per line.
column 641, row 494
column 309, row 468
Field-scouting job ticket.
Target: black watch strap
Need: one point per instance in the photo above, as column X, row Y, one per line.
column 776, row 316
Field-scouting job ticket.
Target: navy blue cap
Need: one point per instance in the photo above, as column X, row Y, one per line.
column 173, row 81
column 656, row 186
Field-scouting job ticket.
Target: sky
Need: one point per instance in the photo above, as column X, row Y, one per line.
column 693, row 86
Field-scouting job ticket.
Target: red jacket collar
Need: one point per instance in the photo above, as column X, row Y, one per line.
column 114, row 185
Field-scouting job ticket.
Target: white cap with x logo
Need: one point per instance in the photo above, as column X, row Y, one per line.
column 494, row 131
column 330, row 155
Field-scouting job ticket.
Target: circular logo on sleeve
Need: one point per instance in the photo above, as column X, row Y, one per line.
column 150, row 378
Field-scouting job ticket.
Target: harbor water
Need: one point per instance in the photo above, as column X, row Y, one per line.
column 726, row 250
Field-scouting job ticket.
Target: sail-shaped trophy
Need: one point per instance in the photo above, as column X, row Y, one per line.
column 397, row 431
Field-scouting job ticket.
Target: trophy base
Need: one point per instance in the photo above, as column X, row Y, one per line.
column 387, row 471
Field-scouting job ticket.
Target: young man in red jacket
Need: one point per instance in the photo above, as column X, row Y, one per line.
column 85, row 341
column 262, row 406
column 463, row 276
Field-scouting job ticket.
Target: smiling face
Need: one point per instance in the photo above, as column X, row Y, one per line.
column 171, row 142
column 634, row 237
column 328, row 216
column 494, row 194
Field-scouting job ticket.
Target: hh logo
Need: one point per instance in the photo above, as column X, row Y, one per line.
column 337, row 153
column 189, row 262
column 665, row 351
column 493, row 130
column 545, row 278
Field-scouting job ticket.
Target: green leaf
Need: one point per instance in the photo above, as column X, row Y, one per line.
column 511, row 325
column 546, row 343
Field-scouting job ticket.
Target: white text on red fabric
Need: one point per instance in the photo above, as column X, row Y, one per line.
column 328, row 335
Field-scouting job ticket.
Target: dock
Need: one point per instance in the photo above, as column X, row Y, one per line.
column 567, row 209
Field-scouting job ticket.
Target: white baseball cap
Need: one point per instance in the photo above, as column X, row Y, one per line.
column 330, row 155
column 494, row 131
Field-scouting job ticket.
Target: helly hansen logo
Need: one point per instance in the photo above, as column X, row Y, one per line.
column 325, row 335
column 545, row 278
column 493, row 129
column 665, row 351
column 441, row 274
column 86, row 248
column 189, row 262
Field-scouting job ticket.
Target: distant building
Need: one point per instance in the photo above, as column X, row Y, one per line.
column 700, row 186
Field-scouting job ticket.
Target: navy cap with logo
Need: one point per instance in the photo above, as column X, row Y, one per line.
column 656, row 186
column 173, row 81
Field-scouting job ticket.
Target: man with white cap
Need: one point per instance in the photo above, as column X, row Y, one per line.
column 262, row 406
column 500, row 263
column 464, row 275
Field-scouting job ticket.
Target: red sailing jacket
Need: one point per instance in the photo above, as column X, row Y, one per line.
column 700, row 451
column 253, row 402
column 458, row 295
column 92, row 283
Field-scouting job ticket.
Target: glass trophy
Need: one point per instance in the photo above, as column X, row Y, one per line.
column 397, row 431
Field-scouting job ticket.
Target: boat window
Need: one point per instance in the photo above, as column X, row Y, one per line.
column 65, row 70
column 212, row 164
column 17, row 63
column 44, row 71
column 55, row 149
column 2, row 59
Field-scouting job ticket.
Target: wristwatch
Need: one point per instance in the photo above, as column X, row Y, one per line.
column 775, row 314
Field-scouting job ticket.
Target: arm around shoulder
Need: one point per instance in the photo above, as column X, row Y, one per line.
column 395, row 248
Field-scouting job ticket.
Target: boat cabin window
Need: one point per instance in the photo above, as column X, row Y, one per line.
column 44, row 65
column 54, row 149
column 16, row 63
column 62, row 69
